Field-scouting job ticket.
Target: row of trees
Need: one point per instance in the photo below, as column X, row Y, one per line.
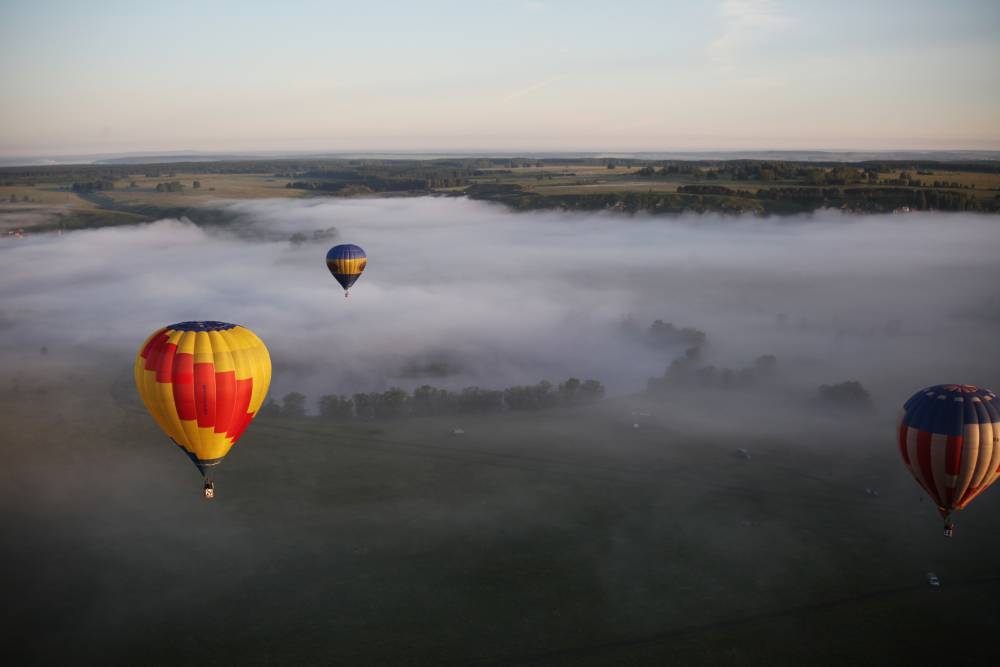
column 685, row 372
column 315, row 236
column 765, row 171
column 91, row 186
column 425, row 401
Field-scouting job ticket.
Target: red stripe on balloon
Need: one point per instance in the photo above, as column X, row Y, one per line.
column 183, row 384
column 244, row 391
column 225, row 400
column 165, row 365
column 149, row 343
column 204, row 393
column 926, row 467
column 153, row 353
column 903, row 429
column 953, row 454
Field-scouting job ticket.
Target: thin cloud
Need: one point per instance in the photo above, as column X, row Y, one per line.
column 746, row 24
column 530, row 89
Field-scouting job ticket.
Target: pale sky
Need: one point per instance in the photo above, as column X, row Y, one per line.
column 108, row 76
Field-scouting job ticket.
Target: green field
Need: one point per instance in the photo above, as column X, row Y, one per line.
column 42, row 199
column 214, row 187
column 562, row 537
column 47, row 206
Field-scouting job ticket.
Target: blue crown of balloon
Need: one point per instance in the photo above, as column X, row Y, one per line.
column 210, row 325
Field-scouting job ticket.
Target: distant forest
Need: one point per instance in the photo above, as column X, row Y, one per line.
column 761, row 187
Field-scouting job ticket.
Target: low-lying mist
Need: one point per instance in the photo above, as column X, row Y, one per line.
column 460, row 293
column 636, row 516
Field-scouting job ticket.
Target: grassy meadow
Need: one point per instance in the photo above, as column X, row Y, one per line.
column 561, row 537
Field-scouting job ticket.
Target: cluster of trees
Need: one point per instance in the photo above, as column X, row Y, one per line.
column 849, row 395
column 662, row 334
column 713, row 190
column 807, row 175
column 907, row 179
column 869, row 199
column 837, row 176
column 888, row 199
column 357, row 183
column 777, row 200
column 669, row 169
column 170, row 186
column 686, row 372
column 425, row 401
column 322, row 186
column 91, row 186
column 293, row 405
column 744, row 170
column 387, row 176
column 328, row 234
column 903, row 182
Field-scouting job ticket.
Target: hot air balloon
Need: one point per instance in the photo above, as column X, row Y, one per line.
column 203, row 382
column 949, row 437
column 346, row 262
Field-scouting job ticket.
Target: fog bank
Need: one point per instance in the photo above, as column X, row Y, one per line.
column 461, row 293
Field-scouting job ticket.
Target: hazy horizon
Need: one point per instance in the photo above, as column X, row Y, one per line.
column 536, row 75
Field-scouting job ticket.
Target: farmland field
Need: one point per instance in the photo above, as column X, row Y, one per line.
column 562, row 537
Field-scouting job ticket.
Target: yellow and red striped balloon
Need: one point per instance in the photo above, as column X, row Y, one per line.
column 203, row 382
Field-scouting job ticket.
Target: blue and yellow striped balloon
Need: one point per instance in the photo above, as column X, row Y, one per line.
column 346, row 262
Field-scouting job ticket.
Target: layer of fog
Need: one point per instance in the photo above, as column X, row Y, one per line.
column 565, row 530
column 460, row 293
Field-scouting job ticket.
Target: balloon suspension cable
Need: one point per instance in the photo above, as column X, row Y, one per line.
column 209, row 488
column 949, row 526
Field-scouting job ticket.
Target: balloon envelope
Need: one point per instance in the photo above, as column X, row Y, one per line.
column 203, row 382
column 346, row 262
column 949, row 438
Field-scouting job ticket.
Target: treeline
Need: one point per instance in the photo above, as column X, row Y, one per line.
column 426, row 401
column 720, row 199
column 361, row 184
column 92, row 186
column 768, row 171
column 868, row 199
column 687, row 371
column 628, row 202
